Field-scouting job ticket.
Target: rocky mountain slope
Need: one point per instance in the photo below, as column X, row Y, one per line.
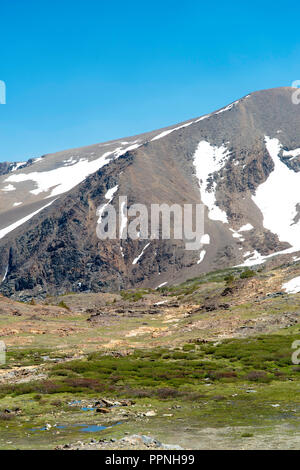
column 242, row 162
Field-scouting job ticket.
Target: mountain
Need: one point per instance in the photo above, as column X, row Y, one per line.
column 242, row 162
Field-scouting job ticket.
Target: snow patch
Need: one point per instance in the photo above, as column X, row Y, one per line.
column 109, row 196
column 202, row 254
column 209, row 159
column 205, row 239
column 291, row 153
column 136, row 260
column 278, row 197
column 227, row 108
column 161, row 285
column 255, row 258
column 13, row 226
column 245, row 228
column 203, row 117
column 5, row 274
column 292, row 286
column 236, row 234
column 17, row 165
column 8, row 187
column 124, row 218
column 164, row 133
column 161, row 302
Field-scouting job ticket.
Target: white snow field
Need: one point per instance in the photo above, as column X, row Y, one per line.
column 66, row 177
column 278, row 196
column 292, row 286
column 208, row 159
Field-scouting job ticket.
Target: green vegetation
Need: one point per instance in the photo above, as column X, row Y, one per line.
column 191, row 286
column 173, row 363
column 229, row 279
column 165, row 372
column 248, row 382
column 62, row 304
column 134, row 296
column 247, row 274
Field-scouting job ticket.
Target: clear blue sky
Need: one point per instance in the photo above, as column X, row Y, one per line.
column 81, row 72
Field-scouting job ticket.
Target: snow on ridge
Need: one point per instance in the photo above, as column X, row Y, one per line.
column 22, row 221
column 38, row 159
column 227, row 108
column 17, row 165
column 164, row 133
column 169, row 131
column 136, row 260
column 207, row 160
column 64, row 178
column 203, row 117
column 292, row 286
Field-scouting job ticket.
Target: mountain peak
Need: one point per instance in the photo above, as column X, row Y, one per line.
column 231, row 160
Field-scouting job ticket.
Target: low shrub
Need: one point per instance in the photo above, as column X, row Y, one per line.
column 247, row 274
column 257, row 376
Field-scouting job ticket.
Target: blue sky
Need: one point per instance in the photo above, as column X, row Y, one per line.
column 82, row 72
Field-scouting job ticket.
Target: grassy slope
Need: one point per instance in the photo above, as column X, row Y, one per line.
column 232, row 383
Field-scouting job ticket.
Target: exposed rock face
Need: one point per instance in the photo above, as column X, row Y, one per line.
column 220, row 159
column 9, row 167
column 6, row 167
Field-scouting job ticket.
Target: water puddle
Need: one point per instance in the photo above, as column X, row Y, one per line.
column 94, row 428
column 75, row 402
